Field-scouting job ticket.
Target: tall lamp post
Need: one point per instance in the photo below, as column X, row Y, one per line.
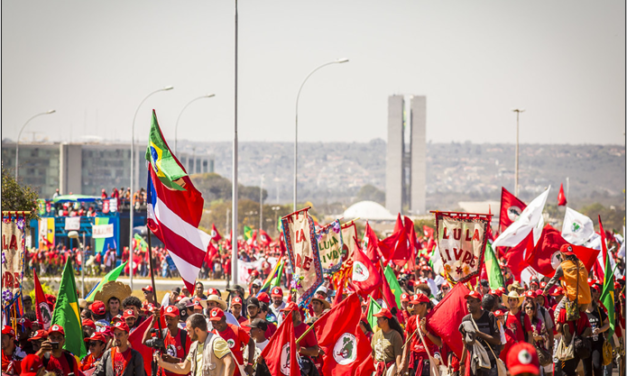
column 176, row 127
column 338, row 61
column 234, row 250
column 517, row 111
column 74, row 235
column 17, row 142
column 261, row 204
column 130, row 242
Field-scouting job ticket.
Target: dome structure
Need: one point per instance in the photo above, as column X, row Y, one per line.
column 369, row 210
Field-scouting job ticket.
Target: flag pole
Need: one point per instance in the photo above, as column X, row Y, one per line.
column 152, row 274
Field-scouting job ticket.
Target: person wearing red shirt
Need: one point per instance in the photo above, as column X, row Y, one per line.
column 308, row 346
column 236, row 310
column 57, row 360
column 415, row 354
column 176, row 341
column 10, row 360
column 235, row 337
column 120, row 360
column 513, row 318
column 510, row 339
column 96, row 345
column 567, row 328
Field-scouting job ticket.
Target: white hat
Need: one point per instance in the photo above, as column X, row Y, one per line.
column 257, row 282
column 322, row 289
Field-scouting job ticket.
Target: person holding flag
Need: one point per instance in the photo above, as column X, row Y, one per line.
column 421, row 344
column 387, row 343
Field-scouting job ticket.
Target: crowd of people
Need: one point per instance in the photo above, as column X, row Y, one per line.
column 525, row 328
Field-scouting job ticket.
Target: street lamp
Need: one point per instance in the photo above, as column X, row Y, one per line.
column 276, row 215
column 261, row 204
column 74, row 235
column 338, row 61
column 517, row 111
column 176, row 127
column 17, row 143
column 130, row 242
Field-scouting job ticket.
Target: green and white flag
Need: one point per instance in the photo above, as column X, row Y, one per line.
column 495, row 277
column 166, row 167
column 66, row 313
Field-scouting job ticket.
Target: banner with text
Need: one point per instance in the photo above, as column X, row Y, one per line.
column 12, row 253
column 73, row 223
column 46, row 233
column 461, row 240
column 349, row 236
column 330, row 245
column 102, row 231
column 300, row 240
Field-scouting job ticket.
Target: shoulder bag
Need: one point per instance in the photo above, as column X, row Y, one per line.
column 500, row 365
column 607, row 346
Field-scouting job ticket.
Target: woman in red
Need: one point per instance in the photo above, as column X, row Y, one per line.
column 416, row 355
column 96, row 345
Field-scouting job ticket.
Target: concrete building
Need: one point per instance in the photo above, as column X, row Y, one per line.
column 86, row 168
column 406, row 164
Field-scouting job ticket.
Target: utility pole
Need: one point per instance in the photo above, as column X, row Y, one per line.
column 261, row 204
column 517, row 111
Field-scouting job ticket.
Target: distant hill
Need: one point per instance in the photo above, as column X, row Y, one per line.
column 335, row 171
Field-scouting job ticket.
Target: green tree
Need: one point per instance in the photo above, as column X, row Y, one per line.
column 370, row 193
column 16, row 197
column 215, row 187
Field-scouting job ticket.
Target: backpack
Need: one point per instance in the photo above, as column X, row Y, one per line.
column 68, row 357
column 182, row 336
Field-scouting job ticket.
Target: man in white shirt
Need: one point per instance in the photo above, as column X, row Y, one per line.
column 277, row 303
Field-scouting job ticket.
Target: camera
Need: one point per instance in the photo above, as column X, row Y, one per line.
column 55, row 345
column 155, row 342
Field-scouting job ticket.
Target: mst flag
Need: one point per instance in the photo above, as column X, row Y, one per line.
column 371, row 244
column 395, row 247
column 174, row 213
column 42, row 309
column 607, row 296
column 365, row 275
column 66, row 313
column 544, row 256
column 215, row 235
column 346, row 348
column 511, row 208
column 445, row 318
column 526, row 222
column 280, row 353
column 577, row 228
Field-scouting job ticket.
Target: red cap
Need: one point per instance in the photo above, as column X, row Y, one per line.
column 542, row 284
column 263, row 297
column 172, row 311
column 384, row 312
column 56, row 329
column 98, row 307
column 121, row 325
column 129, row 313
column 147, row 289
column 236, row 300
column 290, row 307
column 596, row 287
column 473, row 294
column 8, row 330
column 523, row 358
column 558, row 291
column 39, row 334
column 617, row 286
column 197, row 306
column 531, row 294
column 566, row 249
column 404, row 297
column 96, row 337
column 216, row 314
column 499, row 313
column 31, row 364
column 212, row 291
column 150, row 308
column 419, row 298
column 88, row 323
column 445, row 284
column 501, row 291
column 117, row 318
column 539, row 292
column 494, row 292
column 26, row 322
column 276, row 291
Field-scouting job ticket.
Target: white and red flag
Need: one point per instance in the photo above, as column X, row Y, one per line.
column 215, row 235
column 365, row 275
column 263, row 239
column 511, row 208
column 174, row 208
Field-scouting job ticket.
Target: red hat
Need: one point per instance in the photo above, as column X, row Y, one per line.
column 39, row 334
column 501, row 291
column 150, row 308
column 197, row 306
column 56, row 329
column 445, row 284
column 539, row 292
column 212, row 291
column 254, row 273
column 172, row 311
column 404, row 297
column 617, row 286
column 98, row 308
column 216, row 314
column 290, row 307
column 596, row 287
column 276, row 291
column 26, row 322
column 523, row 358
column 7, row 329
column 88, row 323
column 494, row 292
column 31, row 364
column 473, row 294
column 147, row 289
column 542, row 284
column 128, row 313
column 530, row 294
column 566, row 249
column 263, row 297
column 117, row 318
column 121, row 325
column 96, row 337
column 236, row 300
column 384, row 312
column 499, row 313
column 534, row 279
column 558, row 291
column 419, row 298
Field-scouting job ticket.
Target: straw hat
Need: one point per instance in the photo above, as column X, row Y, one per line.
column 513, row 295
column 515, row 286
column 113, row 289
column 214, row 298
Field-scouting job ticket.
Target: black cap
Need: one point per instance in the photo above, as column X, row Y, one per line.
column 259, row 324
column 177, row 290
column 253, row 302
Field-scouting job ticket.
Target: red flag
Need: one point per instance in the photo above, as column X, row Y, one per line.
column 411, row 235
column 339, row 292
column 561, row 197
column 280, row 353
column 515, row 256
column 511, row 207
column 211, row 252
column 543, row 257
column 215, row 235
column 346, row 349
column 390, row 299
column 396, row 247
column 264, row 238
column 445, row 318
column 135, row 339
column 282, row 246
column 365, row 275
column 42, row 308
column 428, row 231
column 371, row 243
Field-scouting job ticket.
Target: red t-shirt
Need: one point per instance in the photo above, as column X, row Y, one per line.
column 227, row 267
column 513, row 323
column 582, row 322
column 174, row 347
column 236, row 337
column 416, row 343
column 60, row 366
column 310, row 339
column 120, row 362
column 10, row 366
column 88, row 362
column 271, row 330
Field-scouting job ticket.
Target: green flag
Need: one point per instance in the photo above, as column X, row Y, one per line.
column 162, row 160
column 373, row 308
column 248, row 232
column 66, row 313
column 607, row 296
column 111, row 276
column 394, row 285
column 140, row 243
column 495, row 277
column 276, row 281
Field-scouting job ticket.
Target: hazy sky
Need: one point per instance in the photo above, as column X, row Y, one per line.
column 94, row 61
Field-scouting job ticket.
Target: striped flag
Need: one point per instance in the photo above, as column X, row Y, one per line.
column 607, row 296
column 174, row 208
column 111, row 276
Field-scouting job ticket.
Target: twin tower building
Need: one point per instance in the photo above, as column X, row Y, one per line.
column 406, row 170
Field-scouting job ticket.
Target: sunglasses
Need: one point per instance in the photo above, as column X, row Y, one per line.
column 445, row 288
column 528, row 308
